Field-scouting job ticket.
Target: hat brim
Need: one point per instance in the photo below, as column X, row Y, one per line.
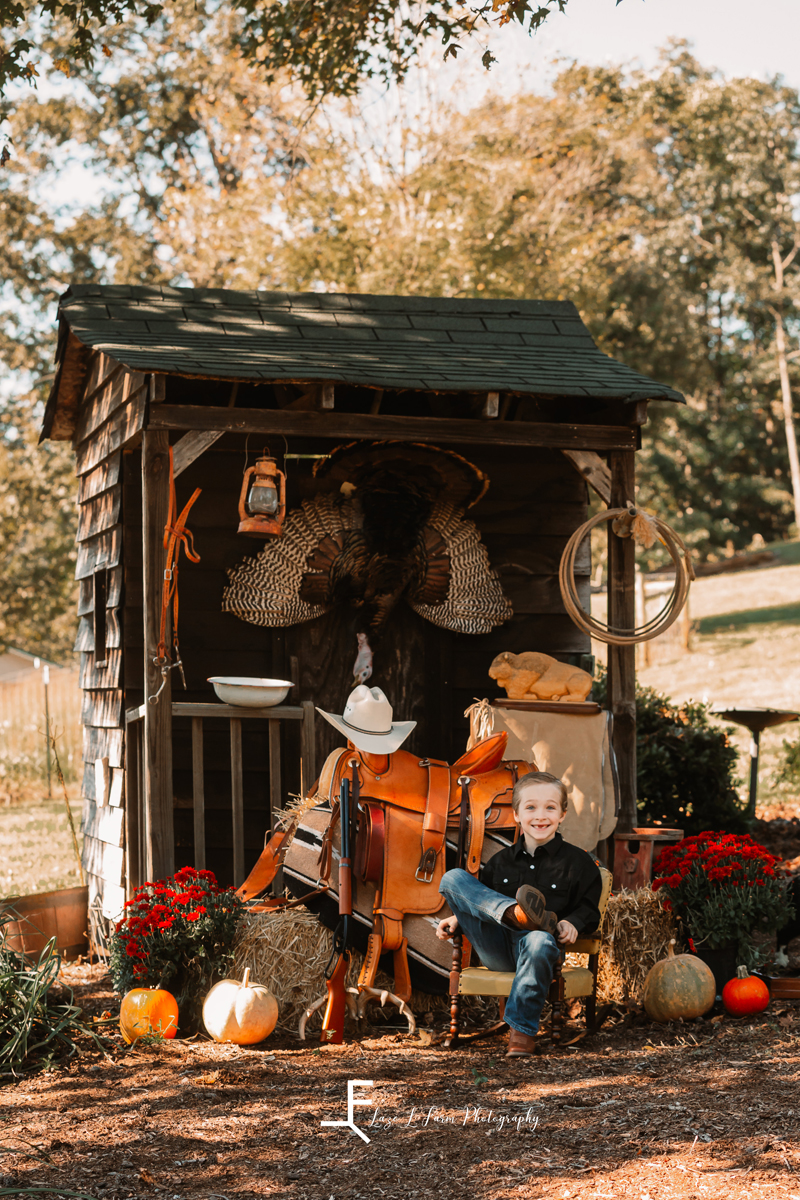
column 371, row 743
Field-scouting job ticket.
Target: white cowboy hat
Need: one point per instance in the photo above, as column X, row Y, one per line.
column 367, row 722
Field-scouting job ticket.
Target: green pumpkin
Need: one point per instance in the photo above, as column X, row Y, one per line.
column 679, row 986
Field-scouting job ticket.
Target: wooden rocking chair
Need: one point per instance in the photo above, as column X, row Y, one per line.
column 569, row 983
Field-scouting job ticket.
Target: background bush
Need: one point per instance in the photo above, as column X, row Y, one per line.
column 685, row 766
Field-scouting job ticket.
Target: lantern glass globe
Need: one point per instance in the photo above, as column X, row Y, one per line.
column 263, row 500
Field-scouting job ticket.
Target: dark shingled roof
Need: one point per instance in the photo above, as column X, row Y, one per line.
column 417, row 342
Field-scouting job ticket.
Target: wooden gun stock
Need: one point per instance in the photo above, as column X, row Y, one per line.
column 333, row 1022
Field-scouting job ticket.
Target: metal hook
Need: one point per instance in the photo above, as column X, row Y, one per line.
column 165, row 670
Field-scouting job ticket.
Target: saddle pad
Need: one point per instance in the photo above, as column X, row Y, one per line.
column 429, row 959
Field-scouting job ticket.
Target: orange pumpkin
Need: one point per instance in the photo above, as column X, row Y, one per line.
column 745, row 995
column 678, row 986
column 148, row 1012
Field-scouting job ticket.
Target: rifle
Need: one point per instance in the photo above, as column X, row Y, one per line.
column 333, row 1022
column 458, row 941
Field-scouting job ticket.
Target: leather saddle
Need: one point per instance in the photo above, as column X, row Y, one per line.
column 405, row 808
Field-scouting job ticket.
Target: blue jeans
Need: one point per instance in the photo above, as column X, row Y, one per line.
column 532, row 956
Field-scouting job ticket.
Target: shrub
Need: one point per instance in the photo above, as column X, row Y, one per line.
column 684, row 765
column 176, row 934
column 789, row 770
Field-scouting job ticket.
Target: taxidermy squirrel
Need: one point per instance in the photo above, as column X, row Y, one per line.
column 534, row 676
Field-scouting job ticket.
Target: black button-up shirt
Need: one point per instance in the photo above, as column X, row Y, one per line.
column 567, row 877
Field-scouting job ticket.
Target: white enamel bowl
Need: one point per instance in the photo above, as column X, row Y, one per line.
column 250, row 693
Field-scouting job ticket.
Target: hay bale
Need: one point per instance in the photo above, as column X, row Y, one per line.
column 636, row 933
column 288, row 951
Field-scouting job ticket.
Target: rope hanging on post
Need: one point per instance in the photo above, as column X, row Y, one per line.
column 644, row 529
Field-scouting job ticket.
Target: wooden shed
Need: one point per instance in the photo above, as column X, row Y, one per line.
column 516, row 386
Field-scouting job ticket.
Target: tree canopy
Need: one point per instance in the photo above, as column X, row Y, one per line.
column 653, row 199
column 330, row 46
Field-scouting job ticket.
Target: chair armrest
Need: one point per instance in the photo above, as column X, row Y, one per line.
column 586, row 943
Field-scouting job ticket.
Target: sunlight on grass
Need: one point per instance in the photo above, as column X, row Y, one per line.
column 36, row 853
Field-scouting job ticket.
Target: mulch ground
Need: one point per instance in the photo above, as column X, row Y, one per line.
column 644, row 1111
column 689, row 1110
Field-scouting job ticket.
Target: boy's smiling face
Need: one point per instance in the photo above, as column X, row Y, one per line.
column 539, row 814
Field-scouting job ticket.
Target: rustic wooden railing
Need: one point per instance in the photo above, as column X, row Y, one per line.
column 137, row 850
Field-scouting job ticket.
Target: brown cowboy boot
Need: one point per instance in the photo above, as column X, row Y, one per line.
column 520, row 1045
column 530, row 912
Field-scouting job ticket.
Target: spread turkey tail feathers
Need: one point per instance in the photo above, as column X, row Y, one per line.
column 265, row 590
column 475, row 602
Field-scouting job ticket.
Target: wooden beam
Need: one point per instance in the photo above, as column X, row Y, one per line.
column 278, row 712
column 590, row 465
column 158, row 389
column 157, row 753
column 198, row 795
column 133, row 809
column 190, row 447
column 308, row 769
column 622, row 659
column 237, row 800
column 338, row 425
column 275, row 791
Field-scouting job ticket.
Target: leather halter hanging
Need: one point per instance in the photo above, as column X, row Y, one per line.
column 175, row 535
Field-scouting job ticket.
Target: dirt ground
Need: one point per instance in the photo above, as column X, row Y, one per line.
column 700, row 1109
column 688, row 1110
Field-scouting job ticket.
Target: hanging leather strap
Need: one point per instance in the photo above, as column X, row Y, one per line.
column 175, row 535
column 434, row 823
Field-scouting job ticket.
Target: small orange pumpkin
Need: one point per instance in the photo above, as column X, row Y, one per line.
column 745, row 995
column 148, row 1012
column 678, row 986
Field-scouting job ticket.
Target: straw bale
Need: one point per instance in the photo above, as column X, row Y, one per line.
column 288, row 951
column 636, row 933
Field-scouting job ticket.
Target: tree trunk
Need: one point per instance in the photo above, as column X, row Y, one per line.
column 788, row 415
column 779, row 264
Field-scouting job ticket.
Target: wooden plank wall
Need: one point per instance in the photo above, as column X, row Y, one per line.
column 535, row 501
column 111, row 414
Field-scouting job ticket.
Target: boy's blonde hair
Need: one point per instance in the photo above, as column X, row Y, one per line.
column 543, row 777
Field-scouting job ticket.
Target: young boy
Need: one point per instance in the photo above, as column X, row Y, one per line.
column 554, row 889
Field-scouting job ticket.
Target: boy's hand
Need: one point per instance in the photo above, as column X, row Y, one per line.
column 566, row 933
column 446, row 928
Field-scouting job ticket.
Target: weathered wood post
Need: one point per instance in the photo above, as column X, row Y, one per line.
column 157, row 740
column 622, row 659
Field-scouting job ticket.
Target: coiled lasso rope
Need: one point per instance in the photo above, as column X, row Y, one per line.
column 645, row 530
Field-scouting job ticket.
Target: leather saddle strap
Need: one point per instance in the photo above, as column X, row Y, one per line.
column 269, row 862
column 369, row 969
column 327, row 791
column 478, row 808
column 434, row 823
column 402, row 977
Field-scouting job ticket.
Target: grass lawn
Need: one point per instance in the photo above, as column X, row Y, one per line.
column 36, row 853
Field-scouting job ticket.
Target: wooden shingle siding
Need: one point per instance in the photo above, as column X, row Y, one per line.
column 122, row 389
column 117, row 431
column 103, row 477
column 103, row 743
column 86, row 592
column 103, row 824
column 85, row 638
column 99, row 514
column 102, row 709
column 104, row 861
column 103, row 550
column 106, row 676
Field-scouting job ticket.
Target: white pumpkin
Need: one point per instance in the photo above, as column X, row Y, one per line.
column 243, row 1013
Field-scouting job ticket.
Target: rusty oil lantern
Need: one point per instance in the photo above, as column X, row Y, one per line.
column 262, row 503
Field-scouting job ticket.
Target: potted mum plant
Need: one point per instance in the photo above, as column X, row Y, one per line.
column 176, row 934
column 723, row 887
